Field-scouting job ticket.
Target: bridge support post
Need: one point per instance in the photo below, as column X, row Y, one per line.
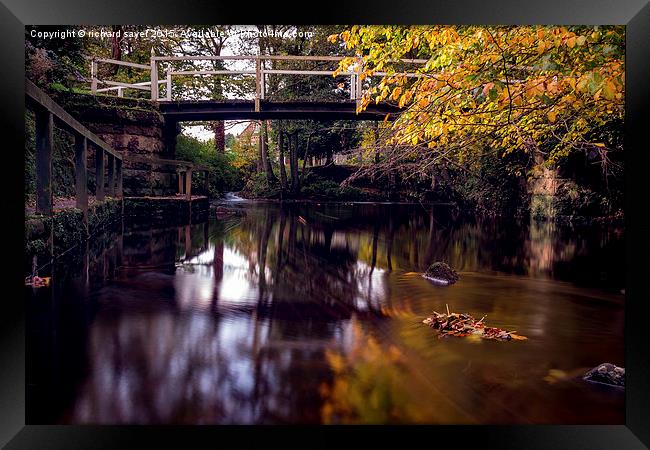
column 110, row 190
column 44, row 148
column 81, row 175
column 154, row 77
column 258, row 82
column 181, row 182
column 357, row 91
column 99, row 173
column 188, row 184
column 119, row 190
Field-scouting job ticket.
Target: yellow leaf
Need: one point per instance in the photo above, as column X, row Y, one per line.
column 396, row 92
column 571, row 42
column 552, row 115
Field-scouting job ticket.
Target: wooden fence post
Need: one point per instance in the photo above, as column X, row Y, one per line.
column 81, row 172
column 169, row 85
column 258, row 82
column 119, row 191
column 188, row 183
column 358, row 91
column 110, row 191
column 99, row 173
column 180, row 180
column 44, row 148
column 262, row 81
column 154, row 76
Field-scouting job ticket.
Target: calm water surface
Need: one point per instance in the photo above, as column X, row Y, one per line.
column 312, row 314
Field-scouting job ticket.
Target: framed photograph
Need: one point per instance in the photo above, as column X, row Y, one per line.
column 423, row 223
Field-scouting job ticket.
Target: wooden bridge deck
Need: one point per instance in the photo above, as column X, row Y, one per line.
column 228, row 109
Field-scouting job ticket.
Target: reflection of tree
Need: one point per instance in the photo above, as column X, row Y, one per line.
column 369, row 386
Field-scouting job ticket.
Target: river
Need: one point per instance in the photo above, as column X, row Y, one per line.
column 311, row 313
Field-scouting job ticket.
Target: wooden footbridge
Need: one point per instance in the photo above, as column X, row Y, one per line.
column 176, row 106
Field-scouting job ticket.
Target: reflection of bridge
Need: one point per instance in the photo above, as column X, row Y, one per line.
column 177, row 107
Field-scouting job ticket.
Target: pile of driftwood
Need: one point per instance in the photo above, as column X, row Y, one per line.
column 458, row 324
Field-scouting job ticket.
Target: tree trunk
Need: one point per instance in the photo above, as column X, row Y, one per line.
column 266, row 161
column 328, row 157
column 260, row 162
column 219, row 136
column 293, row 163
column 306, row 157
column 116, row 48
column 283, row 170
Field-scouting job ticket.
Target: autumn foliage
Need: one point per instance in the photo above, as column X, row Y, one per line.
column 536, row 89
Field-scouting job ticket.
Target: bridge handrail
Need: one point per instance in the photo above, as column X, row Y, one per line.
column 184, row 169
column 37, row 97
column 259, row 72
column 167, row 162
column 46, row 113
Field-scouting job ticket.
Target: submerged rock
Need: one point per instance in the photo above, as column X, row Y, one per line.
column 606, row 373
column 441, row 273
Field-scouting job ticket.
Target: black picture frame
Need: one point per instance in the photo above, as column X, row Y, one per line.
column 635, row 14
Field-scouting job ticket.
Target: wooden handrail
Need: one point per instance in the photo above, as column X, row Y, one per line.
column 259, row 72
column 46, row 113
column 169, row 162
column 39, row 98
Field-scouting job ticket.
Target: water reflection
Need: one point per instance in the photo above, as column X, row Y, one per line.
column 309, row 314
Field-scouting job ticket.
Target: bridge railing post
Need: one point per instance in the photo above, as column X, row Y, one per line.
column 169, row 85
column 154, row 76
column 44, row 149
column 262, row 81
column 188, row 183
column 81, row 173
column 358, row 88
column 99, row 173
column 181, row 183
column 258, row 82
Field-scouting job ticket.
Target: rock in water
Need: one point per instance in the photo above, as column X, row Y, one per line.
column 607, row 373
column 442, row 273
